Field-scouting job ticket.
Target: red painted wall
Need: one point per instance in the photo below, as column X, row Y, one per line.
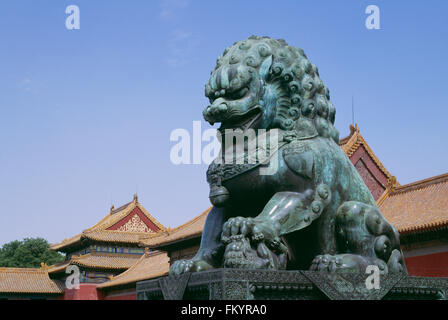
column 86, row 291
column 430, row 265
column 374, row 179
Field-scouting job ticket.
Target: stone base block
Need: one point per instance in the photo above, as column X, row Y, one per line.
column 242, row 284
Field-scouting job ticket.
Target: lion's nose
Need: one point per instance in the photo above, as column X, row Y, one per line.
column 216, row 110
column 221, row 108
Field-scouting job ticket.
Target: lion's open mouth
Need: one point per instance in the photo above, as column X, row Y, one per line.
column 244, row 121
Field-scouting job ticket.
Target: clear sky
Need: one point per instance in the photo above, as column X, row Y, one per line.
column 86, row 115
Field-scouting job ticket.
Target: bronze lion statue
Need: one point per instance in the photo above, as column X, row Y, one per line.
column 314, row 212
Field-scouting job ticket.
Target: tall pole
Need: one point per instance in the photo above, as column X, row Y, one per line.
column 353, row 111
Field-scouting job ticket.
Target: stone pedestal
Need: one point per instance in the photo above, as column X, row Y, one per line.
column 239, row 284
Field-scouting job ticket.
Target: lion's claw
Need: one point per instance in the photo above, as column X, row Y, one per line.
column 238, row 226
column 181, row 266
column 191, row 265
column 345, row 262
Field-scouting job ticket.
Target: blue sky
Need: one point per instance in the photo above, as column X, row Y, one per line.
column 86, row 115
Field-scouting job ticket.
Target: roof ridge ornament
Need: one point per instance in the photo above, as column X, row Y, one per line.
column 392, row 183
column 354, row 129
column 112, row 209
column 135, row 198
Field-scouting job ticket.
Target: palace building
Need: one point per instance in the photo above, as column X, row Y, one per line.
column 107, row 249
column 130, row 245
column 100, row 252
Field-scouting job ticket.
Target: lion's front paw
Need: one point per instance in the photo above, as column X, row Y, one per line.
column 236, row 227
column 183, row 266
column 346, row 263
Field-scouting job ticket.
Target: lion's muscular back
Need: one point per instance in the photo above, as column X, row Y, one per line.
column 331, row 167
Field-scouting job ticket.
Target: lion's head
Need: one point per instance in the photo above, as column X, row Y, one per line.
column 265, row 83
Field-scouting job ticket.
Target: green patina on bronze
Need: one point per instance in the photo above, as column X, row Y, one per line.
column 314, row 212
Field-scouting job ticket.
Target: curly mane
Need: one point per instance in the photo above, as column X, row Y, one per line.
column 295, row 97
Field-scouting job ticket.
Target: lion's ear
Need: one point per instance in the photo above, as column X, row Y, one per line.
column 265, row 66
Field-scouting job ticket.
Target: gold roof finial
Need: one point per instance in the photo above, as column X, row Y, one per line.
column 135, row 198
column 146, row 251
column 353, row 129
column 43, row 265
column 112, row 208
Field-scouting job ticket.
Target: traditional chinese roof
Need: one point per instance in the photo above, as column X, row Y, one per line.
column 105, row 261
column 126, row 224
column 353, row 141
column 60, row 267
column 28, row 280
column 97, row 260
column 150, row 265
column 188, row 230
column 418, row 206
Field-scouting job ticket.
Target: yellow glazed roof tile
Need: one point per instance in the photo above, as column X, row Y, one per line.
column 352, row 142
column 150, row 265
column 99, row 231
column 28, row 280
column 104, row 261
column 420, row 205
